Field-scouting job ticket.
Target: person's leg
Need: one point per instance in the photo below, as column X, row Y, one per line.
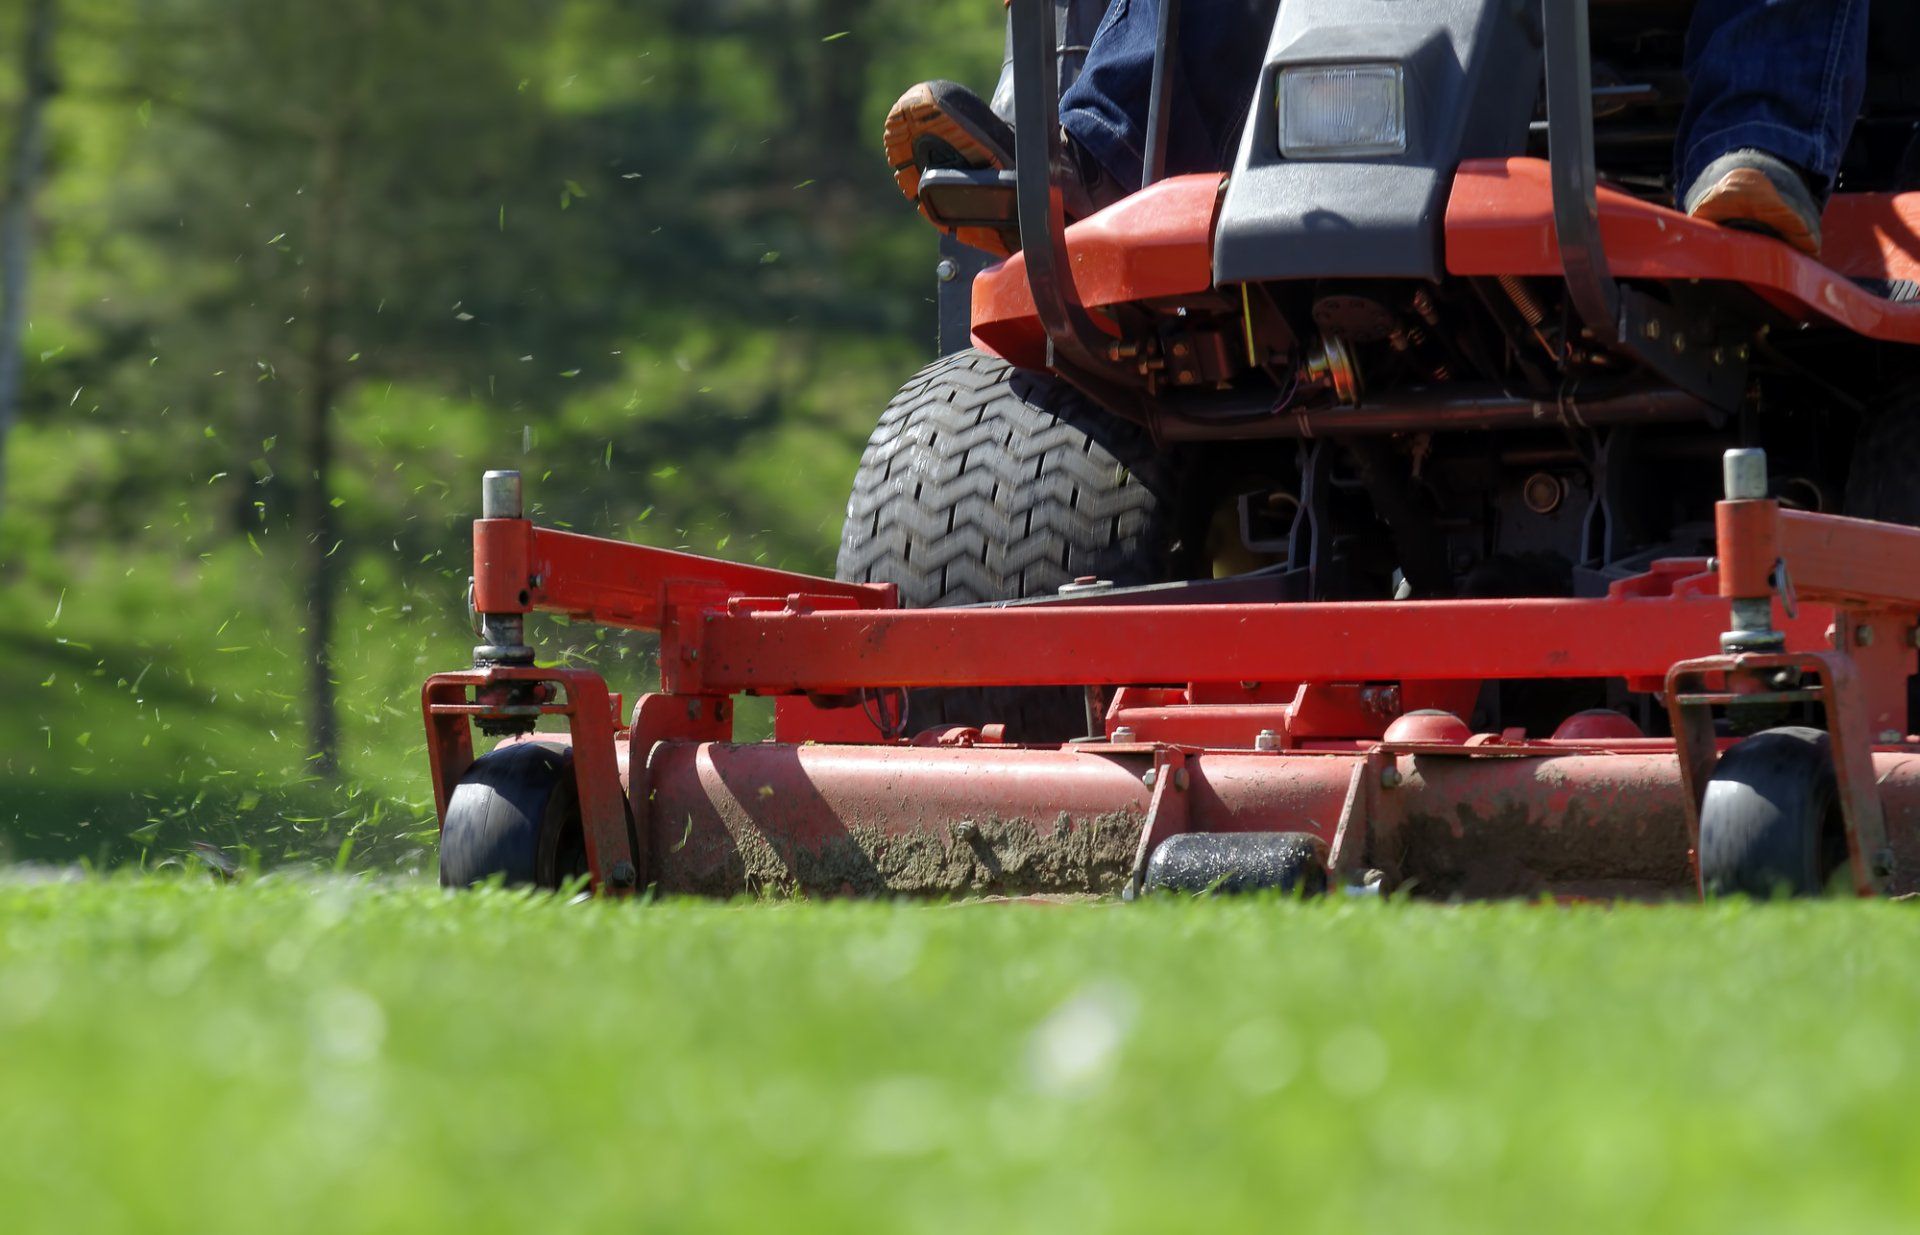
column 1771, row 82
column 1222, row 44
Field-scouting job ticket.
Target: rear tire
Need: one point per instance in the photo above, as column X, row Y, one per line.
column 514, row 816
column 1770, row 822
column 1886, row 460
column 984, row 482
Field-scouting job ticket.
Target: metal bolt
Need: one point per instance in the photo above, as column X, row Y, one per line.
column 623, row 875
column 966, row 831
column 1266, row 739
column 500, row 495
column 1390, row 778
column 1719, row 355
column 1883, row 863
column 1889, row 737
column 1740, row 353
column 1744, row 472
column 946, row 271
column 1863, row 635
column 1180, row 778
column 1149, row 776
column 1679, row 343
column 1652, row 330
column 1124, row 734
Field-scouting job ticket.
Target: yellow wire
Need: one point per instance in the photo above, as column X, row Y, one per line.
column 1246, row 319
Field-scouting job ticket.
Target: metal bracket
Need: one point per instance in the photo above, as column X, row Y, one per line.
column 1684, row 348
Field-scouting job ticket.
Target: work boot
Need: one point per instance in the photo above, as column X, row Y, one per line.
column 1753, row 191
column 938, row 124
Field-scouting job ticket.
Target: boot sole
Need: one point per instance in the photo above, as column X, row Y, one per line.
column 918, row 114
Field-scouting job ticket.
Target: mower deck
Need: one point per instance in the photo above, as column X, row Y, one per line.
column 1340, row 721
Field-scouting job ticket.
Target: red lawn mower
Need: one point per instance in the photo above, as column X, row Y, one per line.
column 1458, row 520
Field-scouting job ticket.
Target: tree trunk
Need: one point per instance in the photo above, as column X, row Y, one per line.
column 16, row 212
column 316, row 443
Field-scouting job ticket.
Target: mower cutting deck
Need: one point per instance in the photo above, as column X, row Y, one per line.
column 1308, row 730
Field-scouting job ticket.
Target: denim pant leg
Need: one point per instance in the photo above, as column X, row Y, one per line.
column 1784, row 76
column 1222, row 44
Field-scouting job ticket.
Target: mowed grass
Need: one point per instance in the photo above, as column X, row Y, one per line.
column 292, row 1055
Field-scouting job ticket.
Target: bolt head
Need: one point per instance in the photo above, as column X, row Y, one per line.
column 623, row 875
column 1124, row 734
column 1390, row 778
column 1150, row 777
column 1652, row 330
column 1863, row 635
column 966, row 831
column 1180, row 778
column 946, row 271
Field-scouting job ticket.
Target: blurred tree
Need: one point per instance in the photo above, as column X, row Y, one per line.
column 24, row 162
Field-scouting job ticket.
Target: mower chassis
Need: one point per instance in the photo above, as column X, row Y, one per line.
column 1337, row 719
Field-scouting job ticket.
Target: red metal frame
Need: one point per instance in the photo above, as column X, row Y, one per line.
column 1500, row 222
column 1158, row 243
column 1154, row 243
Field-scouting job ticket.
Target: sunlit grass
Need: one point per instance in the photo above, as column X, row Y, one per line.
column 332, row 1057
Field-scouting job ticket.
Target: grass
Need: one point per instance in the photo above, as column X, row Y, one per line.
column 292, row 1055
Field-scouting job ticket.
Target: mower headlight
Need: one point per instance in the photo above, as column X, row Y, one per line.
column 1328, row 110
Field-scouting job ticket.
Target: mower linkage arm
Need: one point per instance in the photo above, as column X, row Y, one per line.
column 1684, row 349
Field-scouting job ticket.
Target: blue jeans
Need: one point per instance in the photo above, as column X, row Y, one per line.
column 1222, row 45
column 1785, row 76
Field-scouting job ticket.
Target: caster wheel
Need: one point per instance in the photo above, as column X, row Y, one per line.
column 1235, row 862
column 514, row 816
column 1770, row 822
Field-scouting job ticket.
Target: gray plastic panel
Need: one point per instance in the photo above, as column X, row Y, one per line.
column 1473, row 74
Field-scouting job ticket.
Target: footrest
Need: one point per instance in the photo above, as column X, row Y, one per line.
column 959, row 198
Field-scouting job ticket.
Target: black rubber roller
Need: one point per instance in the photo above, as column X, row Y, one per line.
column 1239, row 862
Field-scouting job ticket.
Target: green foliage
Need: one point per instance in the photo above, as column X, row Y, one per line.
column 648, row 253
column 301, row 1056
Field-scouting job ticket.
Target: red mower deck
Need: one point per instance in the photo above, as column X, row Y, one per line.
column 1337, row 720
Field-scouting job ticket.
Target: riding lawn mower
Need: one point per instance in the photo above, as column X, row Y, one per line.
column 1422, row 506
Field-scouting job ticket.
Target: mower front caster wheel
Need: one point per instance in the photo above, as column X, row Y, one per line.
column 1237, row 862
column 1770, row 822
column 514, row 816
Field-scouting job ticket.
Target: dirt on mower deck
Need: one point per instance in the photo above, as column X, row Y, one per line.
column 966, row 857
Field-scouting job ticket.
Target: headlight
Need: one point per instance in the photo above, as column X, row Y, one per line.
column 1327, row 110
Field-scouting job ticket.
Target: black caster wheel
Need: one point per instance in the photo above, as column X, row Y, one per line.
column 514, row 816
column 1770, row 822
column 1236, row 862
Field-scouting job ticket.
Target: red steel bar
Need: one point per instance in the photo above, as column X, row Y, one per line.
column 521, row 568
column 773, row 652
column 1830, row 559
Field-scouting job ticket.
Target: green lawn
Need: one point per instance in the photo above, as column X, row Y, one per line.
column 340, row 1056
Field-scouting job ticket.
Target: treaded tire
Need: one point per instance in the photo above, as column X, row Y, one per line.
column 1770, row 821
column 1884, row 480
column 985, row 482
column 514, row 816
